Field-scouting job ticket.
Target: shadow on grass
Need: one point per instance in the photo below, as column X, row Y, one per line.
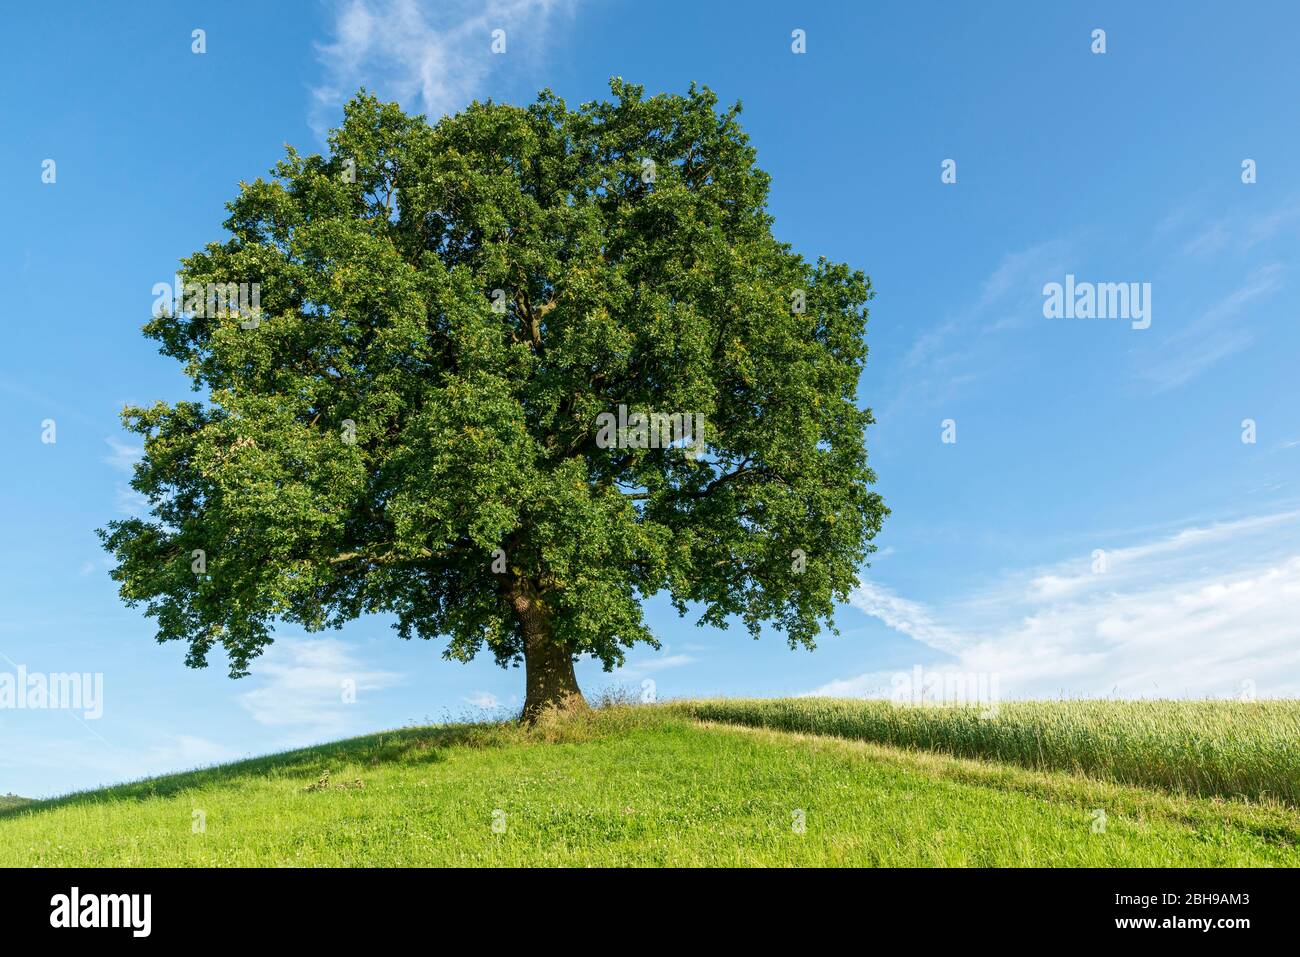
column 410, row 746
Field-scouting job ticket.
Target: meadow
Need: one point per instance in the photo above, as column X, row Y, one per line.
column 1204, row 748
column 694, row 783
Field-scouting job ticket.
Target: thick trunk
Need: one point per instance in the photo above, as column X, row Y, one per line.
column 548, row 666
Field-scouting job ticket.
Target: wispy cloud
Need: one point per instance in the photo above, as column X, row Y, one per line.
column 124, row 455
column 653, row 663
column 435, row 57
column 1248, row 252
column 97, row 762
column 483, row 699
column 130, row 502
column 1245, row 252
column 1198, row 613
column 1242, row 230
column 906, row 617
column 950, row 356
column 1158, row 558
column 308, row 686
column 1216, row 334
column 182, row 751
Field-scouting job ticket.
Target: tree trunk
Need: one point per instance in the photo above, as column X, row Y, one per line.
column 548, row 665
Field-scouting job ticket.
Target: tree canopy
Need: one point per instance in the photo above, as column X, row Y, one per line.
column 407, row 421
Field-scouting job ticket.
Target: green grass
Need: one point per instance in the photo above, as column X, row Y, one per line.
column 637, row 786
column 1204, row 748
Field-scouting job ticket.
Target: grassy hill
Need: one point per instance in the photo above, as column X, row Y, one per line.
column 718, row 783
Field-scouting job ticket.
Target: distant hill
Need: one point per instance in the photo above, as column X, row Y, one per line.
column 11, row 800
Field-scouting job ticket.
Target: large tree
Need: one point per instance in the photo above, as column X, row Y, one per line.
column 411, row 423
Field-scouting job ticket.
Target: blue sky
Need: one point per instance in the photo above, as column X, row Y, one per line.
column 1072, row 435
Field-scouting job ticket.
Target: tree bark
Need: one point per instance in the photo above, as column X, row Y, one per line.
column 548, row 666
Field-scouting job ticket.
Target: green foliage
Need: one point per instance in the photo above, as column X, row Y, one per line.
column 382, row 430
column 1207, row 748
column 635, row 786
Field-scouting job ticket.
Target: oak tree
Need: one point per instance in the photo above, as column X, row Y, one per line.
column 407, row 423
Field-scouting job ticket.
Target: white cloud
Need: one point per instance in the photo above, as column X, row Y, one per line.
column 84, row 761
column 951, row 355
column 124, row 454
column 122, row 457
column 1161, row 558
column 1242, row 231
column 906, row 617
column 1196, row 614
column 130, row 502
column 484, row 699
column 653, row 664
column 872, row 684
column 944, row 360
column 181, row 752
column 1021, row 274
column 303, row 686
column 434, row 56
column 1216, row 334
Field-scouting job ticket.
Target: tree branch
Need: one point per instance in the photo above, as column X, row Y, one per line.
column 389, row 558
column 712, row 486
